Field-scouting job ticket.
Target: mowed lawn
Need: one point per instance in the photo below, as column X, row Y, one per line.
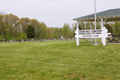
column 55, row 60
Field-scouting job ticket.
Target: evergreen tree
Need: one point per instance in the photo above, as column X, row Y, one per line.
column 30, row 32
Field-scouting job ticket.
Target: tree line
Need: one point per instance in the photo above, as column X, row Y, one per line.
column 12, row 27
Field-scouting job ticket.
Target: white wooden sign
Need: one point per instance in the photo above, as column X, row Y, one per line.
column 98, row 33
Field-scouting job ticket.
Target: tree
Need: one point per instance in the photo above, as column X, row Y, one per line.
column 60, row 33
column 43, row 30
column 116, row 28
column 36, row 26
column 1, row 25
column 108, row 27
column 30, row 32
column 11, row 22
column 56, row 32
column 66, row 29
column 74, row 27
column 24, row 23
column 81, row 26
column 52, row 32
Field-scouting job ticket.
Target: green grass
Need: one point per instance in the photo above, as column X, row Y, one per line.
column 55, row 60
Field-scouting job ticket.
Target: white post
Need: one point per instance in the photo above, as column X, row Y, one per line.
column 101, row 23
column 95, row 22
column 104, row 41
column 101, row 28
column 104, row 35
column 91, row 29
column 77, row 34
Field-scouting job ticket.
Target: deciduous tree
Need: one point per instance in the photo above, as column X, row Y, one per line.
column 24, row 23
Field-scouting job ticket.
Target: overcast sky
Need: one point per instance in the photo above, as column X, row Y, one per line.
column 54, row 13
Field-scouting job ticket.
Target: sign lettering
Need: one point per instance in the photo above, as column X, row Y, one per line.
column 90, row 36
column 90, row 31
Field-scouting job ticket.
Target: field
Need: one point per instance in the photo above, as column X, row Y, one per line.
column 55, row 60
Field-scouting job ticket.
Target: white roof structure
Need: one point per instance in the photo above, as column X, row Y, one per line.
column 109, row 15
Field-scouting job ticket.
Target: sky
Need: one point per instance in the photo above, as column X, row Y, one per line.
column 54, row 13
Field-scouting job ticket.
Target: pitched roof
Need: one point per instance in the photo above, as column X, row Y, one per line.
column 111, row 15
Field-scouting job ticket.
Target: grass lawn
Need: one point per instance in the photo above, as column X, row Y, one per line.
column 55, row 60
